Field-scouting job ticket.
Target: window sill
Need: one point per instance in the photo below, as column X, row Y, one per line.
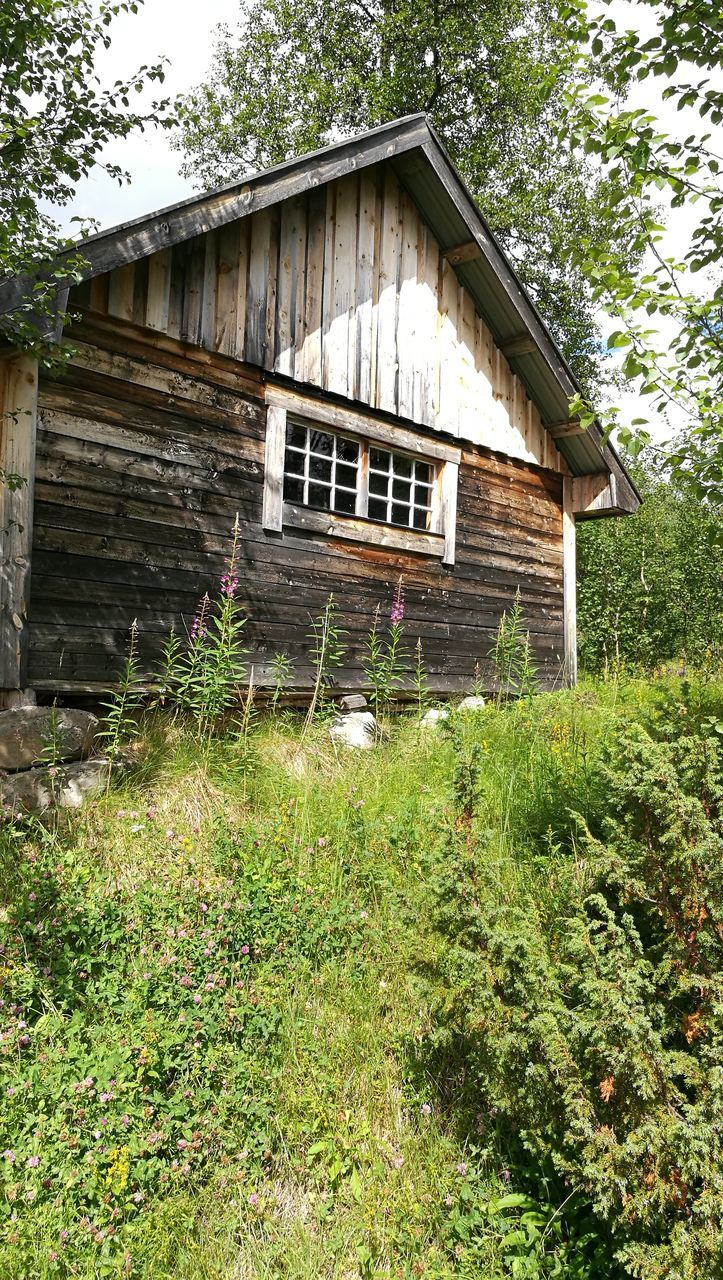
column 355, row 529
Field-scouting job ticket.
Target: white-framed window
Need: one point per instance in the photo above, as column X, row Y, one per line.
column 338, row 472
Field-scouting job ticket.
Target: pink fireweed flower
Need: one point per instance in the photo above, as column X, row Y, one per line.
column 199, row 628
column 397, row 613
column 229, row 585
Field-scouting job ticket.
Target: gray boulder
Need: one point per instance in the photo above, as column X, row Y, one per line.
column 358, row 729
column 65, row 787
column 27, row 734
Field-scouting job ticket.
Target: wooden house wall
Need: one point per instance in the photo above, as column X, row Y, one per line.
column 146, row 453
column 344, row 288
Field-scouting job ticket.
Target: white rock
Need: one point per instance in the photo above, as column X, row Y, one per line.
column 26, row 735
column 434, row 717
column 37, row 790
column 472, row 703
column 358, row 729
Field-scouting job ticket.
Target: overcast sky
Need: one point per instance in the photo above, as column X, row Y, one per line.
column 183, row 32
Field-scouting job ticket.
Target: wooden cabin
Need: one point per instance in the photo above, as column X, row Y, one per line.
column 337, row 351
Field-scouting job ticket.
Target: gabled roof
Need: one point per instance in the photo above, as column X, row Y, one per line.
column 422, row 166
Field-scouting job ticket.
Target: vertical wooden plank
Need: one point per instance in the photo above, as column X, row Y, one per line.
column 448, row 509
column 310, row 364
column 258, row 276
column 338, row 338
column 291, row 232
column 227, row 264
column 425, row 377
column 569, row 581
column 18, row 429
column 99, row 288
column 389, row 265
column 193, row 291
column 298, row 314
column 179, row 255
column 244, row 251
column 120, row 292
column 159, row 290
column 273, row 499
column 140, row 292
column 210, row 285
column 362, row 383
column 448, row 416
column 407, row 349
column 271, row 286
column 468, row 405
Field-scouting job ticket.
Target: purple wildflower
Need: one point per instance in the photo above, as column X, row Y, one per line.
column 397, row 613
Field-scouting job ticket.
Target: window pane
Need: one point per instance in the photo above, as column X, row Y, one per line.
column 320, row 469
column 345, row 502
column 402, row 465
column 422, row 496
column 421, row 519
column 423, row 472
column 346, row 476
column 320, row 496
column 293, row 489
column 296, row 435
column 347, row 450
column 380, row 459
column 378, row 484
column 377, row 509
column 402, row 490
column 320, row 442
column 294, row 462
column 400, row 514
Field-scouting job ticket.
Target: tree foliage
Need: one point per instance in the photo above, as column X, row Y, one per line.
column 668, row 310
column 651, row 585
column 55, row 119
column 295, row 75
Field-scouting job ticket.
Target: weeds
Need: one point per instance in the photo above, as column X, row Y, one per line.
column 327, row 649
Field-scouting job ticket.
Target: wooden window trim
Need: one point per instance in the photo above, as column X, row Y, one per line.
column 277, row 514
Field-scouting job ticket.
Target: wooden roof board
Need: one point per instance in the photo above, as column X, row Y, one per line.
column 423, row 167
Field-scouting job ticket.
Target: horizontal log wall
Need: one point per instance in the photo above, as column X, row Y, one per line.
column 146, row 454
column 346, row 289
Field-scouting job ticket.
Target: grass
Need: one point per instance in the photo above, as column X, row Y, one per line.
column 305, row 1130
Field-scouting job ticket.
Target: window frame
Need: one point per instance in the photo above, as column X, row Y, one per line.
column 437, row 541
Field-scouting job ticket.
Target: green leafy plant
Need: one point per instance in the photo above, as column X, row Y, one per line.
column 420, row 680
column 327, row 650
column 203, row 679
column 281, row 673
column 121, row 710
column 383, row 662
column 512, row 657
column 587, row 1003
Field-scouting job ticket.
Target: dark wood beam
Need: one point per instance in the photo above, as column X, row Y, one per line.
column 564, row 430
column 522, row 345
column 459, row 253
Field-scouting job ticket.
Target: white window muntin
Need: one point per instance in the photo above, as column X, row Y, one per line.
column 322, row 470
column 282, row 403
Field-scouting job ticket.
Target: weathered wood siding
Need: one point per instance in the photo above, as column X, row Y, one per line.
column 146, row 451
column 344, row 288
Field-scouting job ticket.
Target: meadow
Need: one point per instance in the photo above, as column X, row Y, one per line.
column 450, row 1007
